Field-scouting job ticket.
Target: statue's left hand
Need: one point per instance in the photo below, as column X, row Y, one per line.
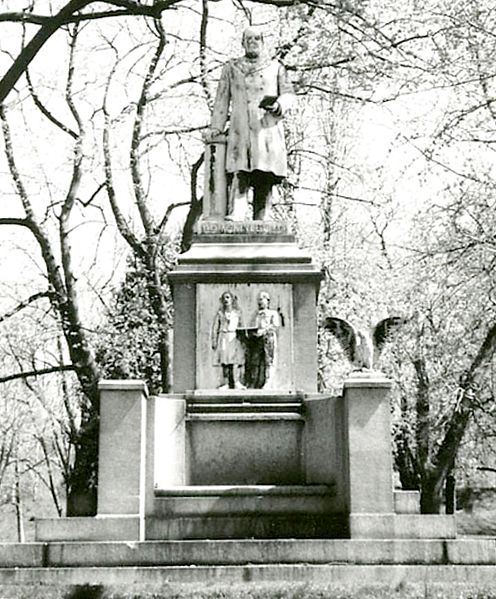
column 275, row 109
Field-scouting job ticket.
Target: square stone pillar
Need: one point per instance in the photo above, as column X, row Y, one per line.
column 368, row 447
column 125, row 462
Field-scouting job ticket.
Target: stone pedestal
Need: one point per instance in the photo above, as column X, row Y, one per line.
column 245, row 259
column 278, row 462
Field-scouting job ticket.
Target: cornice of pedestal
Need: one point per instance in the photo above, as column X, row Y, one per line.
column 245, row 252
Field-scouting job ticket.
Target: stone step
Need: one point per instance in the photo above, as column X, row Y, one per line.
column 248, row 526
column 246, row 416
column 216, row 500
column 244, row 407
column 243, row 395
column 242, row 490
column 467, row 552
column 189, row 582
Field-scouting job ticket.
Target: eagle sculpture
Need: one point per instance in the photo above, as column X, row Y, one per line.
column 362, row 348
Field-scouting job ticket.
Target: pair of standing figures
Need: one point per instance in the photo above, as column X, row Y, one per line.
column 248, row 351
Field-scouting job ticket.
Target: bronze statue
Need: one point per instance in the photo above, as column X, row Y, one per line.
column 229, row 352
column 256, row 92
column 262, row 345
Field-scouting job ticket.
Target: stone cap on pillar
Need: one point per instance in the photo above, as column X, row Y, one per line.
column 367, row 378
column 123, row 385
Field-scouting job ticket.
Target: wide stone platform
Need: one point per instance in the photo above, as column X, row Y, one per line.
column 273, row 484
column 247, row 464
column 340, row 562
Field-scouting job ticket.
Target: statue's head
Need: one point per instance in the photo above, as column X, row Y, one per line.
column 252, row 42
column 228, row 300
column 263, row 300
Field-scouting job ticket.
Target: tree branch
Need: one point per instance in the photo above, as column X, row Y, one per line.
column 44, row 110
column 27, row 54
column 195, row 207
column 146, row 217
column 203, row 52
column 41, row 372
column 24, row 304
column 122, row 225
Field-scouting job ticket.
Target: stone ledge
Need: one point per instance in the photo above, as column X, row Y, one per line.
column 254, row 416
column 99, row 528
column 353, row 577
column 245, row 490
column 248, row 526
column 248, row 395
column 265, row 237
column 224, row 253
column 229, row 506
column 402, row 526
column 251, row 273
column 461, row 552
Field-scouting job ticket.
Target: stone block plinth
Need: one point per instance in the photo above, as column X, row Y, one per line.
column 125, row 466
column 367, row 446
column 246, row 442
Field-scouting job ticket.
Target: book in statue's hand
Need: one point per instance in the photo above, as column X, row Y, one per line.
column 267, row 102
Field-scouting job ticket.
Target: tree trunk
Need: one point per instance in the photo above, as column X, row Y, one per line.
column 405, row 463
column 82, row 484
column 18, row 504
column 431, row 493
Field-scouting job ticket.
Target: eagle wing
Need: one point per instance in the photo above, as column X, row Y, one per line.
column 345, row 333
column 385, row 328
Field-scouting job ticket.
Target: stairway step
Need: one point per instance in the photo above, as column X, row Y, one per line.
column 244, row 490
column 325, row 580
column 248, row 551
column 229, row 501
column 244, row 407
column 246, row 416
column 258, row 396
column 248, row 526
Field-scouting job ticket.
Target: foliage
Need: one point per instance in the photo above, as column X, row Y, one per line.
column 128, row 342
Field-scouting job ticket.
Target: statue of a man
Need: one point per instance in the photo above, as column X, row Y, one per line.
column 255, row 92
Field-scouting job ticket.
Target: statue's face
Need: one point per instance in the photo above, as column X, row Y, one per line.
column 252, row 43
column 263, row 301
column 227, row 300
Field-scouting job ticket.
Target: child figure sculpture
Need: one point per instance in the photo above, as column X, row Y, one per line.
column 229, row 352
column 267, row 323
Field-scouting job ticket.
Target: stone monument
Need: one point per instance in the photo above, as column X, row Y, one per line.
column 245, row 446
